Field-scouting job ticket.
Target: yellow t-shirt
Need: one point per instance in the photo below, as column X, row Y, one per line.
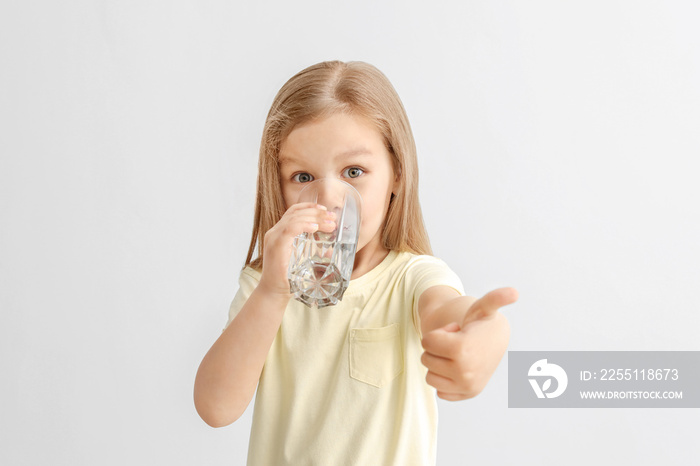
column 344, row 385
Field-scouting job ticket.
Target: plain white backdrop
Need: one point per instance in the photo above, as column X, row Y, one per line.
column 558, row 146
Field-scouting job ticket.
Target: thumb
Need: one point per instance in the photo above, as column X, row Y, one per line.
column 486, row 307
column 440, row 340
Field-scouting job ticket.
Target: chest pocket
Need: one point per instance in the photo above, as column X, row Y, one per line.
column 376, row 354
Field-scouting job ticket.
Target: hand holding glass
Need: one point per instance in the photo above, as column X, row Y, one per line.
column 321, row 263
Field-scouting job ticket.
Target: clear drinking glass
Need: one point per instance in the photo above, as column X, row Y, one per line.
column 321, row 263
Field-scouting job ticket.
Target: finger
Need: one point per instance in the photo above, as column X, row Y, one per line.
column 320, row 216
column 436, row 364
column 487, row 305
column 450, row 396
column 315, row 222
column 305, row 205
column 306, row 220
column 440, row 382
column 442, row 342
column 310, row 210
column 284, row 232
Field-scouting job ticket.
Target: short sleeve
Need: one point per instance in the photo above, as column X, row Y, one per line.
column 425, row 272
column 247, row 282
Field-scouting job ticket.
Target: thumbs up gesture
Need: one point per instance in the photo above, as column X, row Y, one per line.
column 462, row 356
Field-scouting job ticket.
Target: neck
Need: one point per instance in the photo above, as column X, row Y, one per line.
column 367, row 258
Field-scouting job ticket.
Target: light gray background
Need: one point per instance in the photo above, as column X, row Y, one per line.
column 558, row 146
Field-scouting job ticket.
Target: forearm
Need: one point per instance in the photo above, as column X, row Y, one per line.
column 229, row 373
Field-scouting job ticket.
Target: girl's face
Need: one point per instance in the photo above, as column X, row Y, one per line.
column 346, row 147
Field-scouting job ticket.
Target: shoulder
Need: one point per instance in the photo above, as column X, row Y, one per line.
column 414, row 263
column 423, row 271
column 250, row 274
column 247, row 282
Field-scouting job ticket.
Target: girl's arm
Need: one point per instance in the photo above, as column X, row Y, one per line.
column 229, row 373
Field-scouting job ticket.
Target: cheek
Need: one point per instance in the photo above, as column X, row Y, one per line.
column 375, row 203
column 374, row 211
column 290, row 196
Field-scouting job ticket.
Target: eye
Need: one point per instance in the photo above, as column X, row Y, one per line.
column 353, row 172
column 302, row 178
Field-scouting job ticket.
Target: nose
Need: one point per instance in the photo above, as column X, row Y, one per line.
column 331, row 193
column 338, row 197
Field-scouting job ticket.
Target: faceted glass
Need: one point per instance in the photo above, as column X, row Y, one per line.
column 321, row 263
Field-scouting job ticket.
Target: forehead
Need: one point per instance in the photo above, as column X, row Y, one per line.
column 337, row 136
column 356, row 154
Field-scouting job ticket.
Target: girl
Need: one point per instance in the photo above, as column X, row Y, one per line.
column 353, row 383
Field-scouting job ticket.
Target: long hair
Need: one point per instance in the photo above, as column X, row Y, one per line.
column 322, row 90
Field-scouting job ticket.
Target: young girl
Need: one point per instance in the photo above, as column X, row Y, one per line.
column 353, row 383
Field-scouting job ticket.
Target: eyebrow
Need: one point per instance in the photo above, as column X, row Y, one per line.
column 356, row 151
column 353, row 152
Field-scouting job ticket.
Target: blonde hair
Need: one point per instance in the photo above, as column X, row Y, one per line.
column 319, row 91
